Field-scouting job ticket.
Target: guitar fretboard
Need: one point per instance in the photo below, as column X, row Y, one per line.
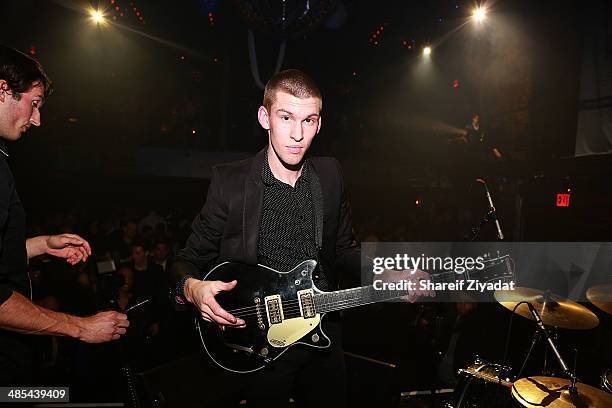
column 364, row 295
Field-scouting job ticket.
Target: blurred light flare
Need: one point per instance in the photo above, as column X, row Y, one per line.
column 97, row 16
column 479, row 14
column 427, row 51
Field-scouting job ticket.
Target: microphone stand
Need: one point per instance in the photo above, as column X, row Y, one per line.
column 490, row 215
column 542, row 328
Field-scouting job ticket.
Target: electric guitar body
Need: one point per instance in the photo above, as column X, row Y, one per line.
column 279, row 311
column 283, row 309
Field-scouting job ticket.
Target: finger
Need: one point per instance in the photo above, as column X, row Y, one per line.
column 74, row 255
column 72, row 259
column 123, row 324
column 121, row 318
column 83, row 253
column 116, row 337
column 207, row 314
column 87, row 248
column 225, row 286
column 71, row 236
column 220, row 312
column 68, row 239
column 221, row 316
column 121, row 331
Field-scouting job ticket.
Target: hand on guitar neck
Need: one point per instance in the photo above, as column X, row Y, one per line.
column 202, row 295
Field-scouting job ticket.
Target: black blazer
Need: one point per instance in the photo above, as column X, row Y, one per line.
column 227, row 227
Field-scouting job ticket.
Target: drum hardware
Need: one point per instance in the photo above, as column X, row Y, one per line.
column 548, row 309
column 553, row 309
column 553, row 392
column 547, row 370
column 606, row 380
column 601, row 296
column 482, row 384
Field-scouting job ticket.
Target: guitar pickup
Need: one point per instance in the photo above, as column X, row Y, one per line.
column 274, row 309
column 306, row 300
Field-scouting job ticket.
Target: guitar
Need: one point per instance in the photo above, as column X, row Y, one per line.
column 284, row 309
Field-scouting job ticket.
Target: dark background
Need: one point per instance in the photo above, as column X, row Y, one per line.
column 388, row 112
column 178, row 80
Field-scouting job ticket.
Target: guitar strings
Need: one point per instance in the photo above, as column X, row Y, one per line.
column 293, row 305
column 288, row 303
column 323, row 307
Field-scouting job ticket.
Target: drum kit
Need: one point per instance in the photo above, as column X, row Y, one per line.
column 485, row 384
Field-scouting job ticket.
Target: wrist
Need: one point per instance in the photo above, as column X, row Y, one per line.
column 188, row 283
column 44, row 244
column 68, row 325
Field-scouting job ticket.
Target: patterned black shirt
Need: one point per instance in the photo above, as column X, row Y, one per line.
column 287, row 230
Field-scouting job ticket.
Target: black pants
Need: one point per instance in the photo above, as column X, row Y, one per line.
column 312, row 377
column 16, row 359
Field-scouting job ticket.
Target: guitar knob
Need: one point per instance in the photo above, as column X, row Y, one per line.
column 297, row 282
column 264, row 352
column 315, row 338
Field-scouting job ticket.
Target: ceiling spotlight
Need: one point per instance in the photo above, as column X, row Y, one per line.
column 97, row 16
column 427, row 51
column 479, row 14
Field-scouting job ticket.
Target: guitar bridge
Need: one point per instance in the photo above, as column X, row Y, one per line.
column 274, row 309
column 307, row 307
column 236, row 348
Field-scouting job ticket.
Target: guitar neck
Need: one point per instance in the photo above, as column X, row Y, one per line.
column 365, row 295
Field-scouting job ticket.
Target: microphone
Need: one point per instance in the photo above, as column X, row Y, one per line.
column 542, row 328
column 492, row 212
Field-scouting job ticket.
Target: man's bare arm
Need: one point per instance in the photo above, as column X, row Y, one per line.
column 20, row 315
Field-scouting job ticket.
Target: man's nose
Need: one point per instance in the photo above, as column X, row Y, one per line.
column 35, row 118
column 297, row 133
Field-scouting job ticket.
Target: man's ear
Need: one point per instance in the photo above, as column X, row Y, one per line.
column 319, row 125
column 263, row 117
column 3, row 89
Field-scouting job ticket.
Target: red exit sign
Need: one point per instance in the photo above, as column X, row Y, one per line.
column 563, row 200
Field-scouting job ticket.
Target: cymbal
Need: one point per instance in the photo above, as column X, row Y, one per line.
column 552, row 392
column 601, row 296
column 556, row 311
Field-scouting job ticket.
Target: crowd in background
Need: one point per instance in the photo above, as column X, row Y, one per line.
column 128, row 272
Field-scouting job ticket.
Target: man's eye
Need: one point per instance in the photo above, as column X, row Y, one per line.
column 285, row 118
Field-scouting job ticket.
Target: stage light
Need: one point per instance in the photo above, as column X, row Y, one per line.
column 97, row 16
column 479, row 14
column 427, row 51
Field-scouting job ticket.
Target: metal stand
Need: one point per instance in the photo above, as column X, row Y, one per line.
column 474, row 231
column 551, row 343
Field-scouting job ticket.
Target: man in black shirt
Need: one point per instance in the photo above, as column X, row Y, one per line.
column 277, row 209
column 23, row 89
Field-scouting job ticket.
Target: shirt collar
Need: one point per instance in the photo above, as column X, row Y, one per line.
column 3, row 149
column 268, row 177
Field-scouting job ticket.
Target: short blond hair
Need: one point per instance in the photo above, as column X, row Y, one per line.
column 295, row 83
